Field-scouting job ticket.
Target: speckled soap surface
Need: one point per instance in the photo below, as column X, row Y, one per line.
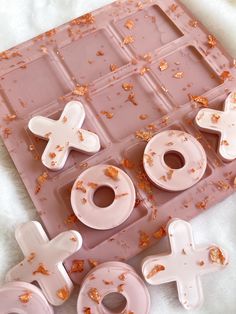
column 138, row 68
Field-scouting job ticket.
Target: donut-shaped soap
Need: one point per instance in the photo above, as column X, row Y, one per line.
column 23, row 298
column 113, row 277
column 187, row 148
column 83, row 191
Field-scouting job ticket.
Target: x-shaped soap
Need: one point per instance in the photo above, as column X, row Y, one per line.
column 43, row 260
column 222, row 123
column 64, row 135
column 185, row 264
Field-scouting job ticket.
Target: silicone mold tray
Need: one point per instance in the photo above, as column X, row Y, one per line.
column 159, row 49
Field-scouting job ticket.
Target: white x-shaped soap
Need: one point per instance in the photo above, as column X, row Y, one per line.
column 64, row 135
column 222, row 123
column 185, row 264
column 43, row 260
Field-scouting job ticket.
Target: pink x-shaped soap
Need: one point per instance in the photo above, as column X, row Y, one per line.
column 44, row 259
column 185, row 264
column 222, row 123
column 64, row 135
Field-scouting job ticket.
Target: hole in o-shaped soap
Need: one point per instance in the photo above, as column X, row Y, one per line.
column 93, row 206
column 103, row 196
column 114, row 302
column 174, row 160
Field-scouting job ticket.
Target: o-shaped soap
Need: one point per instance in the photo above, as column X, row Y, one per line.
column 178, row 143
column 23, row 298
column 109, row 278
column 84, row 188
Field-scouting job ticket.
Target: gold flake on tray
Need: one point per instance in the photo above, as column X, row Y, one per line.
column 128, row 40
column 193, row 23
column 144, row 240
column 128, row 164
column 202, row 101
column 129, row 24
column 143, row 117
column 85, row 19
column 107, row 114
column 225, row 75
column 113, row 67
column 127, row 86
column 212, row 42
column 163, row 65
column 222, row 186
column 131, row 98
column 40, row 181
column 100, row 53
column 93, row 263
column 159, row 233
column 77, row 266
column 144, row 70
column 80, row 90
column 10, row 117
column 178, row 75
column 144, row 135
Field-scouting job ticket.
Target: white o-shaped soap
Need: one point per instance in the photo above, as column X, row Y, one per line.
column 84, row 188
column 179, row 143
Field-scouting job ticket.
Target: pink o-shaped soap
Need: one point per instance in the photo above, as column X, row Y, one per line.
column 23, row 298
column 107, row 279
column 84, row 188
column 178, row 143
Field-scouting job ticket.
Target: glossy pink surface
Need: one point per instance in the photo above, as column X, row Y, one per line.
column 184, row 264
column 128, row 84
column 23, row 298
column 109, row 278
column 111, row 215
column 191, row 154
column 222, row 123
column 44, row 259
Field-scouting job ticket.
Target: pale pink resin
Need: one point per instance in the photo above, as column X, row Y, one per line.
column 184, row 264
column 114, row 277
column 39, row 77
column 23, row 298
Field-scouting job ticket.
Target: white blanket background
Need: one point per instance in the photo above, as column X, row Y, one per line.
column 23, row 19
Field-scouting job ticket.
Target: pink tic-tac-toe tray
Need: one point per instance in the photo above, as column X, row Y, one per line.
column 138, row 67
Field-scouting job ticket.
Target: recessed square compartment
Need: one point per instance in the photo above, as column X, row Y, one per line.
column 32, row 87
column 92, row 56
column 92, row 237
column 151, row 29
column 127, row 106
column 185, row 73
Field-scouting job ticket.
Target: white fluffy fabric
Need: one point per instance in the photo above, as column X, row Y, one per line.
column 23, row 19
